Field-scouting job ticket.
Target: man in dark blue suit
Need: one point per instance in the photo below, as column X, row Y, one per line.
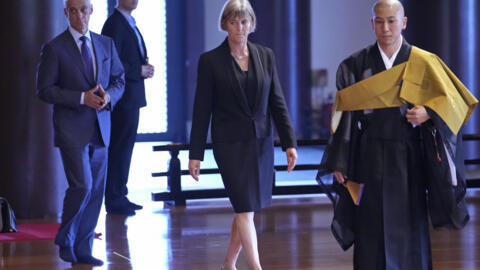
column 121, row 27
column 81, row 75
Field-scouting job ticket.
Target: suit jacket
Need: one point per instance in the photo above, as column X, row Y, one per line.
column 220, row 98
column 126, row 42
column 61, row 78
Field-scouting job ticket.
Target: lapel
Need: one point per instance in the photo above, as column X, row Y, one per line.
column 72, row 49
column 376, row 60
column 132, row 34
column 260, row 77
column 235, row 85
column 100, row 55
column 403, row 54
column 143, row 46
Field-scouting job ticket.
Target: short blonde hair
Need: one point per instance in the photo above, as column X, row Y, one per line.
column 237, row 8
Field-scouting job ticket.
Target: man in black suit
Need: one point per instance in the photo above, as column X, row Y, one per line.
column 121, row 27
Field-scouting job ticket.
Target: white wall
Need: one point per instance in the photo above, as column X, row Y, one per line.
column 338, row 29
column 213, row 36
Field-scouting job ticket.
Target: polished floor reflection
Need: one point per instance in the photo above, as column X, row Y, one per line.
column 293, row 234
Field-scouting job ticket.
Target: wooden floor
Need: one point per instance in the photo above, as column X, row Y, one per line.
column 293, row 234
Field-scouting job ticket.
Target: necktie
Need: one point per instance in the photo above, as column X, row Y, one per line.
column 87, row 58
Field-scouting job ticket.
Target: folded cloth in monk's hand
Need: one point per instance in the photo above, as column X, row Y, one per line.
column 355, row 190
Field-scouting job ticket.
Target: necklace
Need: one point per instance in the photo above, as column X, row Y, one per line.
column 239, row 57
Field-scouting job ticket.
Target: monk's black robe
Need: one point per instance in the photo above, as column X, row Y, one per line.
column 380, row 149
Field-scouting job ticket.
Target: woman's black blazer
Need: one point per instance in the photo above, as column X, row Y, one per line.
column 220, row 98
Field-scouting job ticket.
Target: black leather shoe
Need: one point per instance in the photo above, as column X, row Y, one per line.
column 90, row 260
column 67, row 254
column 121, row 211
column 134, row 206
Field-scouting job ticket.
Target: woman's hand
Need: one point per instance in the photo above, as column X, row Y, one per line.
column 194, row 168
column 291, row 158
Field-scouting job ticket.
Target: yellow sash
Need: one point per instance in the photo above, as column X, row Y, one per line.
column 423, row 80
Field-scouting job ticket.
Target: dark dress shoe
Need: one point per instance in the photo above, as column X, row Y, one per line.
column 134, row 206
column 89, row 260
column 121, row 211
column 67, row 254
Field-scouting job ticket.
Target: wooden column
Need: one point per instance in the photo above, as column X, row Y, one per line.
column 284, row 26
column 32, row 176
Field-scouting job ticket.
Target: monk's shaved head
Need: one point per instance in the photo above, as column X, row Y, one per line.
column 395, row 4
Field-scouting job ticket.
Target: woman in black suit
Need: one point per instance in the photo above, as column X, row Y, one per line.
column 238, row 88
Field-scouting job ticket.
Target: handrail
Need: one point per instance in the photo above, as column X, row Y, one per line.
column 181, row 147
column 179, row 196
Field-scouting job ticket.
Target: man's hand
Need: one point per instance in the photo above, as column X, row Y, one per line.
column 339, row 177
column 147, row 71
column 291, row 158
column 417, row 115
column 104, row 94
column 194, row 168
column 96, row 97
